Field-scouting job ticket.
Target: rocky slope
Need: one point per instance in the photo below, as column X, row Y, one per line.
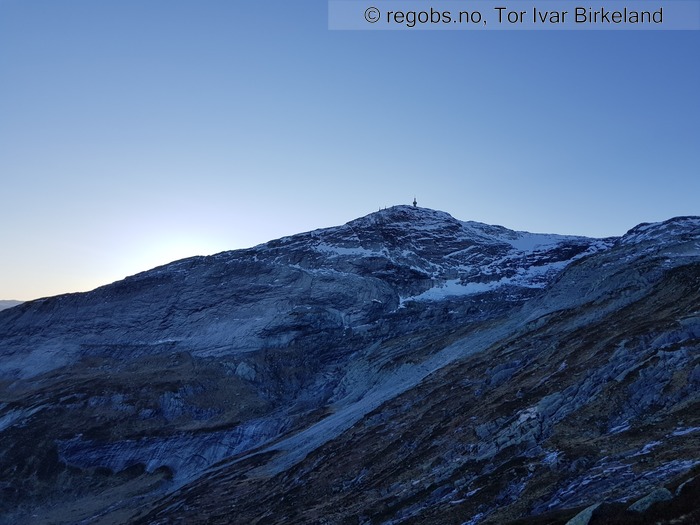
column 406, row 367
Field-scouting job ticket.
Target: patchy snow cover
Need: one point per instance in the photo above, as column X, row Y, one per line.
column 684, row 431
column 531, row 277
column 13, row 416
column 646, row 449
column 370, row 391
column 618, row 429
column 455, row 287
column 551, row 458
column 342, row 250
column 652, row 231
column 427, row 249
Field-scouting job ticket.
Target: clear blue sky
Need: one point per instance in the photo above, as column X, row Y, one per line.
column 133, row 132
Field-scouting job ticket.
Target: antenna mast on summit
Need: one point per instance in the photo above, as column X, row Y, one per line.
column 415, row 202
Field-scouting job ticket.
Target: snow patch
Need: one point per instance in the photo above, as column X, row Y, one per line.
column 623, row 427
column 684, row 431
column 13, row 416
column 648, row 448
column 358, row 251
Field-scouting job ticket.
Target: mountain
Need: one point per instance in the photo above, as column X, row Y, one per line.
column 406, row 367
column 8, row 304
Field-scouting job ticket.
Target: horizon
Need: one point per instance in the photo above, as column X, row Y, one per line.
column 135, row 134
column 381, row 209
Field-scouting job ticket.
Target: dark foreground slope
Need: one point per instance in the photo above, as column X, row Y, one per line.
column 403, row 368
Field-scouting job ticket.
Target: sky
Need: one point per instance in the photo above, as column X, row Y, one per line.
column 134, row 133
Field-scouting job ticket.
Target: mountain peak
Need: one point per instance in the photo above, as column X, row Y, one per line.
column 404, row 356
column 403, row 213
column 683, row 225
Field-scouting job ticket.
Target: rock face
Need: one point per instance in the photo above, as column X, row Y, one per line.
column 406, row 367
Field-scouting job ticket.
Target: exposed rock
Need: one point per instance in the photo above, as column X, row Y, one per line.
column 583, row 517
column 683, row 485
column 403, row 368
column 642, row 505
column 245, row 371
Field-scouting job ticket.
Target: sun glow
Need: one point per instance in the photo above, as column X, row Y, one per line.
column 168, row 248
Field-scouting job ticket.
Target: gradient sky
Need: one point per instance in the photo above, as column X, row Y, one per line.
column 133, row 133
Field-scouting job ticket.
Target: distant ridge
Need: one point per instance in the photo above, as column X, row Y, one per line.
column 4, row 305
